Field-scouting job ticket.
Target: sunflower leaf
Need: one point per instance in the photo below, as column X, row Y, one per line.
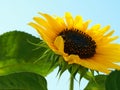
column 113, row 81
column 98, row 83
column 23, row 81
column 74, row 69
column 20, row 51
column 83, row 72
column 63, row 66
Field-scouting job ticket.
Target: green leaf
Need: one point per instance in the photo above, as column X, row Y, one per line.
column 83, row 73
column 23, row 81
column 97, row 83
column 113, row 81
column 20, row 52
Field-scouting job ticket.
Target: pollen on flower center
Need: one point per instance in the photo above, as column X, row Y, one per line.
column 78, row 43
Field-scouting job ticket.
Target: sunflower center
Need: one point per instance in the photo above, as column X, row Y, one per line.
column 78, row 43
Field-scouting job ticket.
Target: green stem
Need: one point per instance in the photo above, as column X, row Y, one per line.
column 71, row 82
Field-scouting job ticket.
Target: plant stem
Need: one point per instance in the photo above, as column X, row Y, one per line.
column 71, row 82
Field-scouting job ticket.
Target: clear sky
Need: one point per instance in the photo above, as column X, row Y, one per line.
column 15, row 14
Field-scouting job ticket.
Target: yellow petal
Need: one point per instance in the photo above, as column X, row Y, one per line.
column 54, row 24
column 45, row 35
column 95, row 66
column 41, row 31
column 112, row 39
column 69, row 20
column 98, row 33
column 110, row 33
column 88, row 63
column 95, row 27
column 85, row 25
column 61, row 22
column 59, row 44
column 72, row 58
column 42, row 22
column 78, row 21
column 104, row 30
column 93, row 31
column 108, row 64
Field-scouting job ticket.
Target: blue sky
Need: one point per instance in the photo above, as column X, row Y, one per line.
column 15, row 14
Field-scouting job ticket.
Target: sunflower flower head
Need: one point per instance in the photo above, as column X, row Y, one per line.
column 92, row 48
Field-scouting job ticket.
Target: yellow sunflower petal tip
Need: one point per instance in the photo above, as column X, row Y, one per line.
column 40, row 13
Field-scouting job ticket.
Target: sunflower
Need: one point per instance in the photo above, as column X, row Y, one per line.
column 92, row 48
